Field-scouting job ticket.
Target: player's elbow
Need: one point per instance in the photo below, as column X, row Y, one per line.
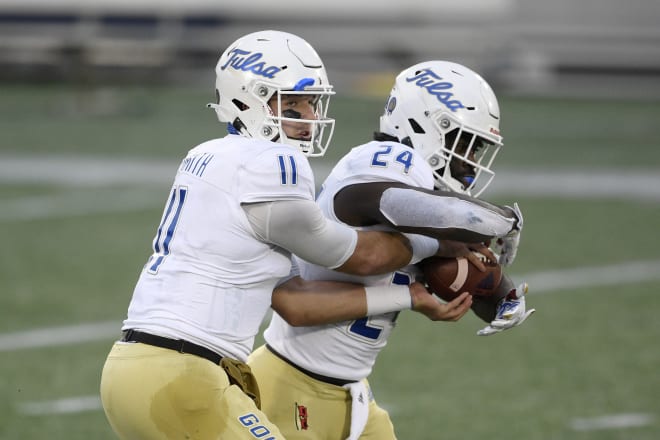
column 293, row 317
column 287, row 302
column 298, row 320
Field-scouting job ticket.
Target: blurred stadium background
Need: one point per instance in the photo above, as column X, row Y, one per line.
column 100, row 99
column 557, row 48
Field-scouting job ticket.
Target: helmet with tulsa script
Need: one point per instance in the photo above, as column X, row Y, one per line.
column 451, row 115
column 273, row 66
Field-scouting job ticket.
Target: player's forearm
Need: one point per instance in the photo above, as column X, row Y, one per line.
column 378, row 252
column 443, row 215
column 305, row 303
column 449, row 217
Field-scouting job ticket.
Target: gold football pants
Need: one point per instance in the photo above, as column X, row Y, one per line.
column 156, row 393
column 304, row 408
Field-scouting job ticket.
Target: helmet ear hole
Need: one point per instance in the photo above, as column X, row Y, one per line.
column 416, row 127
column 240, row 105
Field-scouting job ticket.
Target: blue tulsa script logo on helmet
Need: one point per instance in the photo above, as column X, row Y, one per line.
column 242, row 60
column 432, row 83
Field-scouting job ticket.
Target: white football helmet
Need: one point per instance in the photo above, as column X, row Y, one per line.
column 260, row 65
column 451, row 115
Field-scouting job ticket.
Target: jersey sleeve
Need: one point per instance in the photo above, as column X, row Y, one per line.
column 374, row 162
column 386, row 161
column 277, row 173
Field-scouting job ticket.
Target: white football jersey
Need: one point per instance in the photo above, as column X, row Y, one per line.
column 348, row 350
column 210, row 279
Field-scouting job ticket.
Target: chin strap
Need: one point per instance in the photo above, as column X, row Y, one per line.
column 406, row 141
column 384, row 137
column 231, row 129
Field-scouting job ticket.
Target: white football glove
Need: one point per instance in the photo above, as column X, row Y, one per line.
column 506, row 247
column 510, row 312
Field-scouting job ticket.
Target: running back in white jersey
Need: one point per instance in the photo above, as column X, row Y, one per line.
column 348, row 350
column 206, row 252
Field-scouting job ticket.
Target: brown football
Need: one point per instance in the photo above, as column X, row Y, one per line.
column 449, row 277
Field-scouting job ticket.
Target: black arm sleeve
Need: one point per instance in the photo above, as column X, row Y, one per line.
column 440, row 214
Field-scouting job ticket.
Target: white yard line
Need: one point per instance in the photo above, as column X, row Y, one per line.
column 79, row 404
column 612, row 421
column 540, row 282
column 69, row 405
column 630, row 272
column 637, row 184
column 88, row 171
column 91, row 186
column 134, row 185
column 68, row 204
column 543, row 282
column 64, row 335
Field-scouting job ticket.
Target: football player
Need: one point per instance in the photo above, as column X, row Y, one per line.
column 237, row 209
column 438, row 137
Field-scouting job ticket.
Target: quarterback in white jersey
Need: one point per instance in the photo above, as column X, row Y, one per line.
column 320, row 372
column 194, row 285
column 239, row 206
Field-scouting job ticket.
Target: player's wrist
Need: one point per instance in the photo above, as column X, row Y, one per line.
column 386, row 299
column 422, row 247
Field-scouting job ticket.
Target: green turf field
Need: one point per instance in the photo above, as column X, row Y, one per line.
column 584, row 367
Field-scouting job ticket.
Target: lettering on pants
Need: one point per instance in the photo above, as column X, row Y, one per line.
column 255, row 427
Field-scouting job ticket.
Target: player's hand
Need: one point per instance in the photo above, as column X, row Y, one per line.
column 459, row 249
column 507, row 247
column 511, row 312
column 430, row 305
